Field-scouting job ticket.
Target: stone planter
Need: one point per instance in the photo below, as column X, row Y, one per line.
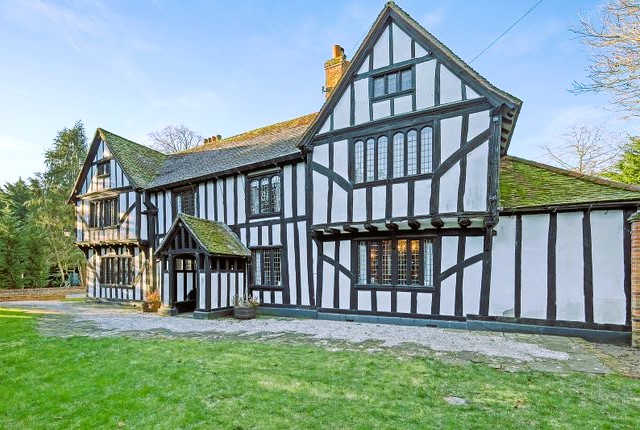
column 150, row 307
column 244, row 313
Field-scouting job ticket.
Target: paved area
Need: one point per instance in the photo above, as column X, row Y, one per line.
column 506, row 351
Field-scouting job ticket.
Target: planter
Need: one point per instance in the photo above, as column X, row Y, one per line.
column 150, row 307
column 244, row 313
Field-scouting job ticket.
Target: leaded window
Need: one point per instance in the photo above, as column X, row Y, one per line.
column 185, row 201
column 392, row 83
column 117, row 271
column 103, row 213
column 412, row 152
column 398, row 155
column 426, row 150
column 399, row 262
column 264, row 194
column 267, row 267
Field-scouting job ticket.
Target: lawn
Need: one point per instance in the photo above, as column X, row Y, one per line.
column 85, row 383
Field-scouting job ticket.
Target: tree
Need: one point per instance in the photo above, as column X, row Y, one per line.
column 585, row 149
column 12, row 249
column 615, row 51
column 627, row 169
column 174, row 139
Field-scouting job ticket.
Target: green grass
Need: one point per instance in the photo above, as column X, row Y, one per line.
column 79, row 383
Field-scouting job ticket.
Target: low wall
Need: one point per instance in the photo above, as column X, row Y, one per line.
column 38, row 293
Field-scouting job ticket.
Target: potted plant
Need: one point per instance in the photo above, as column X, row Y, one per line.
column 152, row 302
column 244, row 307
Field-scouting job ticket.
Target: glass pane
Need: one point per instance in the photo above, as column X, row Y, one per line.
column 275, row 194
column 426, row 150
column 412, row 152
column 257, row 264
column 414, row 254
column 371, row 152
column 398, row 155
column 359, row 160
column 392, row 82
column 382, row 157
column 386, row 262
column 373, row 262
column 362, row 263
column 428, row 262
column 276, row 266
column 255, row 197
column 265, row 199
column 406, row 81
column 402, row 262
column 266, row 271
column 378, row 87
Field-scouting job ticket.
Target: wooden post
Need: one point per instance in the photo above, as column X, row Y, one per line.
column 635, row 279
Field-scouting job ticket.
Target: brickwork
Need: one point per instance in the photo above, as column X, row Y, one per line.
column 635, row 280
column 334, row 69
column 38, row 293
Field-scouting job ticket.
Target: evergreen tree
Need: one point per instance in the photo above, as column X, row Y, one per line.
column 12, row 249
column 628, row 168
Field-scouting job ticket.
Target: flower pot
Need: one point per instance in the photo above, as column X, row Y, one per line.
column 150, row 307
column 244, row 313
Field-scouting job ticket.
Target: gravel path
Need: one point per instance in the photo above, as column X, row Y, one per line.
column 508, row 351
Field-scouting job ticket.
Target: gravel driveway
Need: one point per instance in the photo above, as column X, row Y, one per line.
column 508, row 351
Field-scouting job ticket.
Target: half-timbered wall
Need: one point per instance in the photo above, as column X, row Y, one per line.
column 562, row 266
column 226, row 200
column 116, row 178
column 97, row 289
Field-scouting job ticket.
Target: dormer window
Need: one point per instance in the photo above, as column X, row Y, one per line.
column 264, row 194
column 103, row 169
column 392, row 83
column 184, row 201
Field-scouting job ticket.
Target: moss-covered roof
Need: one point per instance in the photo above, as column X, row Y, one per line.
column 141, row 164
column 525, row 184
column 215, row 237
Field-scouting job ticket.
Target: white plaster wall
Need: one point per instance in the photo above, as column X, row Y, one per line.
column 449, row 252
column 450, row 86
column 200, row 200
column 422, row 197
column 423, row 302
column 569, row 267
column 425, row 83
column 402, row 104
column 341, row 158
column 342, row 111
column 359, row 204
column 403, row 302
column 475, row 193
column 470, row 93
column 201, row 291
column 320, row 192
column 339, row 204
column 609, row 301
column 535, row 231
column 361, row 98
column 379, row 203
column 400, row 199
column 288, row 196
column 420, row 51
column 240, row 192
column 501, row 298
column 291, row 262
column 478, row 122
column 471, row 284
column 383, row 299
column 381, row 109
column 364, row 300
column 450, row 132
column 448, row 296
column 302, row 196
column 321, row 155
column 214, row 291
column 344, row 297
column 210, row 201
column 449, row 190
column 304, row 276
column 326, row 126
column 401, row 45
column 381, row 50
column 365, row 66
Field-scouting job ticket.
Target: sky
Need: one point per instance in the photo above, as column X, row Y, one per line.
column 224, row 67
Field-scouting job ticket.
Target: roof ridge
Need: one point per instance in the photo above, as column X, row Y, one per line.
column 590, row 178
column 102, row 130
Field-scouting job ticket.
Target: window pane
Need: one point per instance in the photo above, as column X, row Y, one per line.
column 255, row 197
column 257, row 264
column 426, row 150
column 277, row 266
column 275, row 194
column 386, row 262
column 402, row 262
column 398, row 155
column 414, row 254
column 359, row 160
column 265, row 199
column 392, row 82
column 428, row 262
column 406, row 81
column 378, row 87
column 412, row 152
column 371, row 152
column 266, row 263
column 373, row 262
column 382, row 157
column 362, row 262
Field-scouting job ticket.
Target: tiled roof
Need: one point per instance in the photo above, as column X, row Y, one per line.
column 216, row 237
column 526, row 184
column 140, row 163
column 234, row 153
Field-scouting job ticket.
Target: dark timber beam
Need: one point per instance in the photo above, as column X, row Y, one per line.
column 413, row 223
column 390, row 225
column 316, row 234
column 464, row 222
column 350, row 229
column 437, row 222
column 370, row 227
column 331, row 230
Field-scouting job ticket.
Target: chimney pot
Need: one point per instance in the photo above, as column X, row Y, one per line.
column 334, row 69
column 338, row 51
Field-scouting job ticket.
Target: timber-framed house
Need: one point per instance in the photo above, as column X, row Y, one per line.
column 396, row 202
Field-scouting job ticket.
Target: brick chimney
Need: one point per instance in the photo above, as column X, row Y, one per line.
column 334, row 69
column 635, row 279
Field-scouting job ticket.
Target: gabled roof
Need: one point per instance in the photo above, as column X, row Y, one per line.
column 528, row 184
column 214, row 237
column 263, row 145
column 511, row 104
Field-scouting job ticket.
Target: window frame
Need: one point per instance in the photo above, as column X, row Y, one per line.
column 249, row 200
column 179, row 191
column 359, row 174
column 124, row 267
column 399, row 91
column 95, row 217
column 273, row 275
column 393, row 263
column 105, row 165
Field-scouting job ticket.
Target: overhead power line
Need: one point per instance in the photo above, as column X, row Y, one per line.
column 506, row 31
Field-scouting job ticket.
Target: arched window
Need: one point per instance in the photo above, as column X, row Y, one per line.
column 275, row 193
column 398, row 155
column 382, row 157
column 371, row 154
column 359, row 162
column 255, row 196
column 426, row 150
column 265, row 194
column 412, row 152
column 265, row 200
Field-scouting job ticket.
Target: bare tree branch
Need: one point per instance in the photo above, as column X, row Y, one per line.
column 175, row 139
